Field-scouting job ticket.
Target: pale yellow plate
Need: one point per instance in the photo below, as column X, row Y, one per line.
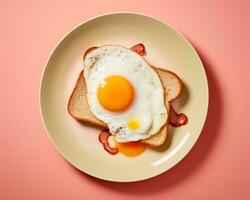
column 166, row 48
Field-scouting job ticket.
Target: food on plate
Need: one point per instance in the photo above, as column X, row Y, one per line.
column 125, row 93
column 122, row 93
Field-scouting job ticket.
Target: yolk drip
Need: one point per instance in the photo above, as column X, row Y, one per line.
column 116, row 93
column 131, row 149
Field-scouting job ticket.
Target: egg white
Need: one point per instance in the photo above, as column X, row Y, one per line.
column 148, row 107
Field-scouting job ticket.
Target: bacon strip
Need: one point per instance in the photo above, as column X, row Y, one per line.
column 139, row 48
column 175, row 119
column 103, row 138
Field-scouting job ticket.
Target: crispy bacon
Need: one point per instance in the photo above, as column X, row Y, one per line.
column 139, row 48
column 103, row 138
column 175, row 119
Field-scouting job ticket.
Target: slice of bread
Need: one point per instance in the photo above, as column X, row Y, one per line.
column 78, row 106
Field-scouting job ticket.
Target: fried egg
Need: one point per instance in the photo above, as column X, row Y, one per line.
column 125, row 93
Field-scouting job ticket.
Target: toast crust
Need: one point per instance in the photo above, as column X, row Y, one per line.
column 90, row 119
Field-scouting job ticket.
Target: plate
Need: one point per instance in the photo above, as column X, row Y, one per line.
column 166, row 48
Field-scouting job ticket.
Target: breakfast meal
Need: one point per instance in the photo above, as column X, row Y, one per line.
column 128, row 98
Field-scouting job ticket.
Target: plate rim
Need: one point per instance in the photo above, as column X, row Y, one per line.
column 180, row 158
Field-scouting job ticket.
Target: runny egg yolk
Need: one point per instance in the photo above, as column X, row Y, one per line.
column 116, row 94
column 131, row 149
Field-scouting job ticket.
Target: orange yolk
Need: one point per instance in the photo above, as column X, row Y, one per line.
column 115, row 94
column 131, row 149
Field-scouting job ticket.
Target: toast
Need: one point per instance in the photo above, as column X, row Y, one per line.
column 78, row 106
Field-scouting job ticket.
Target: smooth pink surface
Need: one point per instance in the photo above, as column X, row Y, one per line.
column 218, row 167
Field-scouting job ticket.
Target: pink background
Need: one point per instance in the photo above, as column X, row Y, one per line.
column 218, row 167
